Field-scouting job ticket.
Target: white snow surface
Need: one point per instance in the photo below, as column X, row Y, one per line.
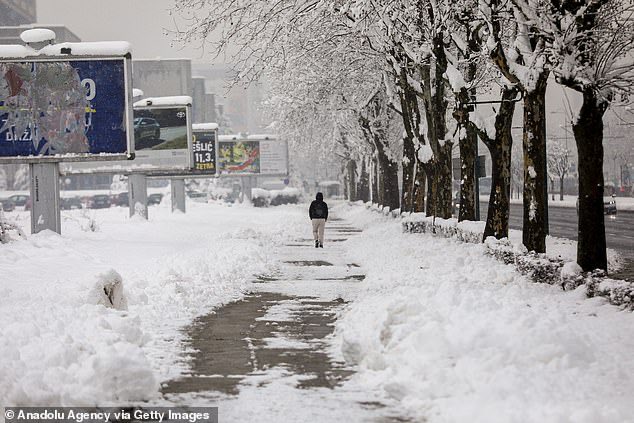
column 456, row 336
column 62, row 346
column 97, row 48
column 204, row 126
column 37, row 35
column 177, row 100
column 437, row 328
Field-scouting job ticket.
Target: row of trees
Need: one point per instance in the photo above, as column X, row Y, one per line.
column 378, row 81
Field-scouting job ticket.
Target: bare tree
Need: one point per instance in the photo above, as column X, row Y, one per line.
column 558, row 163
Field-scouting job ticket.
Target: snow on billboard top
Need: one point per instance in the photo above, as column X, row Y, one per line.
column 64, row 108
column 98, row 48
column 173, row 101
column 204, row 126
column 37, row 35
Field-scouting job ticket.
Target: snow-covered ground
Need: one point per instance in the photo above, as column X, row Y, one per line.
column 460, row 337
column 450, row 334
column 60, row 346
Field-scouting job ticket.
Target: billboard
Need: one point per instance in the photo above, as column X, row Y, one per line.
column 162, row 139
column 204, row 141
column 64, row 109
column 253, row 155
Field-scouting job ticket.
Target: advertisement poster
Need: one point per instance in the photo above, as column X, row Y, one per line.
column 204, row 148
column 51, row 108
column 239, row 157
column 160, row 129
column 255, row 155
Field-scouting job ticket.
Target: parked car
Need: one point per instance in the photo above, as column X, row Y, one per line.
column 197, row 196
column 121, row 199
column 71, row 203
column 6, row 204
column 19, row 200
column 609, row 205
column 154, row 199
column 145, row 127
column 100, row 201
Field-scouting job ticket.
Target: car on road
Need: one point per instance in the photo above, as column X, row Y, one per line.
column 71, row 203
column 609, row 205
column 145, row 127
column 197, row 196
column 6, row 204
column 19, row 200
column 121, row 199
column 100, row 201
column 153, row 199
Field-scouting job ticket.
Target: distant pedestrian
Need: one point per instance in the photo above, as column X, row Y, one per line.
column 318, row 212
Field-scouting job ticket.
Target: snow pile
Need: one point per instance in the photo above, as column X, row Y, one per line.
column 68, row 338
column 457, row 336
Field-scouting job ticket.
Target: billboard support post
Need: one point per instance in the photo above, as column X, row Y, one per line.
column 246, row 186
column 178, row 194
column 45, row 197
column 137, row 188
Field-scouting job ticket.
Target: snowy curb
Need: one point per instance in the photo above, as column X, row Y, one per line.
column 539, row 267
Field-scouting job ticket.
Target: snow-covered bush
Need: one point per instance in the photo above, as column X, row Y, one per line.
column 285, row 196
column 9, row 231
column 260, row 197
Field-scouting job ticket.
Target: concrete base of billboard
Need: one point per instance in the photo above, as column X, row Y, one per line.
column 137, row 189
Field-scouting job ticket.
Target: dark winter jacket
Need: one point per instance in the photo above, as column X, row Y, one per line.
column 318, row 209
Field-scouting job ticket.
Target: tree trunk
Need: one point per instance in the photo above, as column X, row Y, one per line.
column 389, row 177
column 535, row 224
column 588, row 130
column 351, row 168
column 430, row 201
column 444, row 200
column 468, row 144
column 409, row 165
column 497, row 223
column 363, row 192
column 420, row 189
column 561, row 188
column 375, row 181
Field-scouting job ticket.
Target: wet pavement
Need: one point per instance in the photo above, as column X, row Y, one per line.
column 285, row 323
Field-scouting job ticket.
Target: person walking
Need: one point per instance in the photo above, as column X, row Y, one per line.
column 318, row 212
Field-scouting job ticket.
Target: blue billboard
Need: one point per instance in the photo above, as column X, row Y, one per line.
column 64, row 108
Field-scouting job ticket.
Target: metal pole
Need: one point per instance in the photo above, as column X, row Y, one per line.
column 477, row 183
column 45, row 213
column 178, row 194
column 137, row 187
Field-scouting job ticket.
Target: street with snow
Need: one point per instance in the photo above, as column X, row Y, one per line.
column 379, row 325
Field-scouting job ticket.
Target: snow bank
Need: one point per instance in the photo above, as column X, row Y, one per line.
column 457, row 336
